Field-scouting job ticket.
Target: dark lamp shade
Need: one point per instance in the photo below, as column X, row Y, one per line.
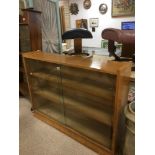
column 77, row 33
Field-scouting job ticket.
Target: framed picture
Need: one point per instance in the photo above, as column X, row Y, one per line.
column 122, row 8
column 82, row 23
column 93, row 22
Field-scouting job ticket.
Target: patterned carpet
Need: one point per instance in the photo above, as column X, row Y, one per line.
column 38, row 138
column 131, row 95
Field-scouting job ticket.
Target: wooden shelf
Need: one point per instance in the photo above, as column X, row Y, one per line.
column 51, row 112
column 53, row 97
column 31, row 10
column 104, row 79
column 90, row 89
column 90, row 132
column 45, row 76
column 23, row 23
column 89, row 100
column 96, row 114
column 83, row 128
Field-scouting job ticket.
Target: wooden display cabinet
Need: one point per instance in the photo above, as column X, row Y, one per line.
column 30, row 39
column 82, row 97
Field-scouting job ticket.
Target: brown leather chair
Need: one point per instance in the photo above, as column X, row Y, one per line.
column 126, row 37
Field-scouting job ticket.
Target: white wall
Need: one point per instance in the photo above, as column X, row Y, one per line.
column 105, row 20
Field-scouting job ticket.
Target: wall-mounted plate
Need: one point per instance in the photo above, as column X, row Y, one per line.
column 103, row 8
column 87, row 4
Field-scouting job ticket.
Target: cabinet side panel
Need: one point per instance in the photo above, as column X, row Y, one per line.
column 35, row 31
column 121, row 96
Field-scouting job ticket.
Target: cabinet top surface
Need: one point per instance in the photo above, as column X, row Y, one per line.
column 95, row 62
column 31, row 10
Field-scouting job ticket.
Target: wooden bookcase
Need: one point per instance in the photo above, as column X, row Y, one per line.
column 30, row 39
column 82, row 97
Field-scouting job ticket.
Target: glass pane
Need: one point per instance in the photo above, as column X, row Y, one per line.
column 46, row 89
column 90, row 128
column 88, row 101
column 24, row 37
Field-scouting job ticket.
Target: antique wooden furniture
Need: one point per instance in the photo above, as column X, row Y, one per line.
column 30, row 39
column 81, row 96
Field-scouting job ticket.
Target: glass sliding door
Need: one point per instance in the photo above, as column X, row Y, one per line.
column 45, row 84
column 88, row 103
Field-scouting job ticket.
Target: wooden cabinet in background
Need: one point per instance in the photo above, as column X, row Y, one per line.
column 83, row 97
column 30, row 39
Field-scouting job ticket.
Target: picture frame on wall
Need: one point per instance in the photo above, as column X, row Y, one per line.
column 82, row 23
column 93, row 22
column 123, row 8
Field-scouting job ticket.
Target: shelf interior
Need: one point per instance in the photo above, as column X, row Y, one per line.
column 89, row 128
column 77, row 98
column 97, row 114
column 52, row 110
column 94, row 113
column 80, row 123
column 106, row 94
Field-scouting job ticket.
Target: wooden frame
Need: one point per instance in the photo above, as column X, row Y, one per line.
column 123, row 8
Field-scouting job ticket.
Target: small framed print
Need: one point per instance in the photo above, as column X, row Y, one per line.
column 93, row 22
column 81, row 23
